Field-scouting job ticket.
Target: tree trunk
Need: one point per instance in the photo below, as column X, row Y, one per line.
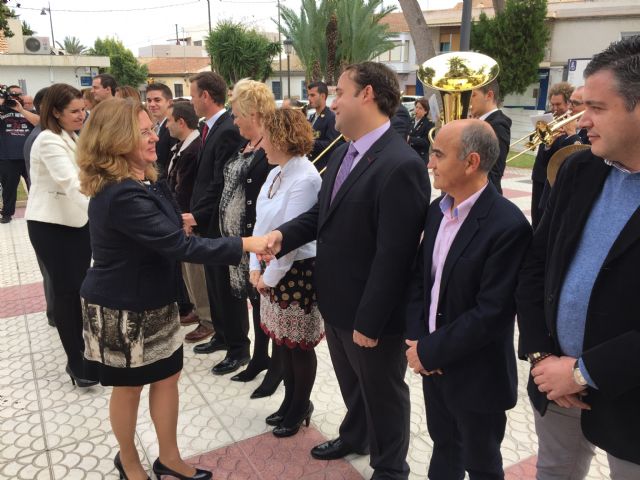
column 420, row 34
column 498, row 6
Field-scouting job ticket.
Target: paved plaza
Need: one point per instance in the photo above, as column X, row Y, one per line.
column 50, row 429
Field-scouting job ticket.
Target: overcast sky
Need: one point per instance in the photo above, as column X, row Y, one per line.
column 144, row 22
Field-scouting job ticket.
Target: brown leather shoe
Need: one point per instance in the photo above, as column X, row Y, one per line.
column 189, row 319
column 202, row 332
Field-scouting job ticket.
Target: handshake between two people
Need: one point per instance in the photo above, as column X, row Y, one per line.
column 266, row 247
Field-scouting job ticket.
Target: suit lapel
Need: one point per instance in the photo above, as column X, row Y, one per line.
column 466, row 233
column 432, row 225
column 210, row 133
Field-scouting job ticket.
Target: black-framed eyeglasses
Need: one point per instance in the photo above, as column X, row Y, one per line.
column 575, row 103
column 275, row 185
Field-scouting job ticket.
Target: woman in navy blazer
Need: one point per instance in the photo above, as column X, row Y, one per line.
column 131, row 320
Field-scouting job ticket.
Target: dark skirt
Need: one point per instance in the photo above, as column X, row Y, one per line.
column 290, row 315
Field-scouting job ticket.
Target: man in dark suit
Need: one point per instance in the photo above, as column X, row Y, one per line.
column 559, row 95
column 367, row 223
column 578, row 291
column 401, row 121
column 159, row 98
column 484, row 106
column 221, row 139
column 323, row 123
column 461, row 310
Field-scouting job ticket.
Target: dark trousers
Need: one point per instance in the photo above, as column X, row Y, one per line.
column 462, row 439
column 377, row 399
column 66, row 254
column 10, row 173
column 48, row 290
column 229, row 314
column 537, row 189
column 184, row 302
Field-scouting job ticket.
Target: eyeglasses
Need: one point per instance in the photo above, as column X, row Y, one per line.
column 275, row 185
column 575, row 103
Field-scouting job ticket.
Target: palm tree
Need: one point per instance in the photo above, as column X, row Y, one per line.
column 329, row 34
column 72, row 46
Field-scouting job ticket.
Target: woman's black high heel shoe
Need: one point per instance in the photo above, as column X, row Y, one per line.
column 160, row 470
column 275, row 419
column 120, row 468
column 281, row 431
column 266, row 388
column 80, row 382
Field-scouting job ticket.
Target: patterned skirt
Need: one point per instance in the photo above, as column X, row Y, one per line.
column 132, row 348
column 290, row 314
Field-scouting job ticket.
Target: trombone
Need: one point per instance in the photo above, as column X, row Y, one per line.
column 324, row 152
column 545, row 133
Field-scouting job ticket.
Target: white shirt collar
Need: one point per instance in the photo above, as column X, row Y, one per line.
column 214, row 119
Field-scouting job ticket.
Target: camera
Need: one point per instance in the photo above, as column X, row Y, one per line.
column 10, row 99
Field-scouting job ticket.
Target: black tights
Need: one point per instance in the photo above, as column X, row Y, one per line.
column 299, row 372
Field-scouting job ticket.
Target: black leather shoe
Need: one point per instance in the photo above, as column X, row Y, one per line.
column 120, row 468
column 249, row 373
column 333, row 449
column 229, row 365
column 6, row 219
column 274, row 419
column 213, row 345
column 266, row 388
column 160, row 470
column 282, row 431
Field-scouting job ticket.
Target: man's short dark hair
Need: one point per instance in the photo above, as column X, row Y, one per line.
column 162, row 88
column 494, row 87
column 382, row 80
column 622, row 59
column 185, row 111
column 213, row 84
column 14, row 86
column 321, row 86
column 108, row 81
column 37, row 99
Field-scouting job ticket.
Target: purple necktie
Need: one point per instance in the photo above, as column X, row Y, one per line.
column 345, row 169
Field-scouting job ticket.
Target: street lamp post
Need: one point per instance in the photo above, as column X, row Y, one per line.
column 209, row 15
column 43, row 12
column 288, row 49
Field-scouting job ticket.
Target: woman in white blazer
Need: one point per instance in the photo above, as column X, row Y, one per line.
column 57, row 219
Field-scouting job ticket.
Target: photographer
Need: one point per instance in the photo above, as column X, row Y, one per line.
column 15, row 126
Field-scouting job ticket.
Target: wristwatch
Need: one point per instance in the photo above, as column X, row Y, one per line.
column 537, row 356
column 577, row 375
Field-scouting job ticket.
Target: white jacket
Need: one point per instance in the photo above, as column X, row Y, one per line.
column 55, row 195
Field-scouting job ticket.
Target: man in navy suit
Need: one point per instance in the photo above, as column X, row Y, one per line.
column 323, row 122
column 461, row 308
column 367, row 223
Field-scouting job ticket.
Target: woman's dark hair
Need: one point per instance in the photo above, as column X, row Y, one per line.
column 382, row 80
column 57, row 97
column 423, row 102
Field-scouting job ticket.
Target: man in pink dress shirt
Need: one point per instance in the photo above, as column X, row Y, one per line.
column 461, row 309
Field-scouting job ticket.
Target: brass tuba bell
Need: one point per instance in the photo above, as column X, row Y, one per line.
column 455, row 75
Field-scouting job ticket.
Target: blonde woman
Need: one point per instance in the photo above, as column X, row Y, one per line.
column 288, row 308
column 131, row 321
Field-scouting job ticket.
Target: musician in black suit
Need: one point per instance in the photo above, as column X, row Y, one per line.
column 159, row 99
column 460, row 319
column 577, row 295
column 559, row 95
column 323, row 123
column 367, row 223
column 419, row 134
column 484, row 106
column 221, row 139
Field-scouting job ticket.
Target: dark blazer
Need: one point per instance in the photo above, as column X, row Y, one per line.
column 163, row 149
column 612, row 330
column 367, row 238
column 473, row 340
column 182, row 175
column 501, row 125
column 256, row 176
column 137, row 243
column 419, row 137
column 222, row 141
column 324, row 132
column 401, row 121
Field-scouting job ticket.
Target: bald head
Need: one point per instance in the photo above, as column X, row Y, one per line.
column 472, row 135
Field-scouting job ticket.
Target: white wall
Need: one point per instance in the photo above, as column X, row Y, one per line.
column 296, row 84
column 40, row 77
